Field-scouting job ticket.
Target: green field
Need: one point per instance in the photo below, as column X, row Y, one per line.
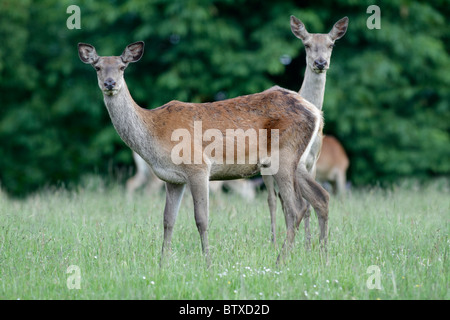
column 115, row 245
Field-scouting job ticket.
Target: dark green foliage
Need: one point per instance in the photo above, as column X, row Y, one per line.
column 387, row 96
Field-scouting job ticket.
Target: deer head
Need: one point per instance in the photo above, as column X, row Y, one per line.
column 110, row 69
column 318, row 46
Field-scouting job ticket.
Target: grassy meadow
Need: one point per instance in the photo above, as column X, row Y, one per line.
column 115, row 245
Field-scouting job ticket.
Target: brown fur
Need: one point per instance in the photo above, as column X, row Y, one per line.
column 332, row 164
column 276, row 108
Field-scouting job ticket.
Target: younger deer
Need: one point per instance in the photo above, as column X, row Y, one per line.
column 318, row 54
column 293, row 124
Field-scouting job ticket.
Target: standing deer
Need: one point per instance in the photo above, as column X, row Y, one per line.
column 318, row 53
column 332, row 164
column 294, row 122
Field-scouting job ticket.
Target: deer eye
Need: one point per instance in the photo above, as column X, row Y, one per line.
column 97, row 68
column 307, row 46
column 122, row 68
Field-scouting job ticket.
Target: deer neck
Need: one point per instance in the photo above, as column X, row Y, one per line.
column 127, row 120
column 313, row 87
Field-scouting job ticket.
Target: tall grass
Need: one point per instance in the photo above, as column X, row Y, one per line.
column 116, row 245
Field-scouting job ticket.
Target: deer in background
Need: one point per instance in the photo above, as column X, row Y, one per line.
column 149, row 132
column 332, row 164
column 318, row 53
column 145, row 176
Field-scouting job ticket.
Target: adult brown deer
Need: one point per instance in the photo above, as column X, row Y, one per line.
column 290, row 122
column 332, row 164
column 318, row 54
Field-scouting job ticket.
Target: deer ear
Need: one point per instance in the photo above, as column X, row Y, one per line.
column 339, row 29
column 87, row 53
column 133, row 52
column 298, row 29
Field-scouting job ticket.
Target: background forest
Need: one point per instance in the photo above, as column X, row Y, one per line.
column 387, row 96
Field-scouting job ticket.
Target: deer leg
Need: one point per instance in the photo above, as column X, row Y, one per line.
column 200, row 195
column 318, row 198
column 174, row 194
column 272, row 201
column 307, row 227
column 308, row 214
column 293, row 208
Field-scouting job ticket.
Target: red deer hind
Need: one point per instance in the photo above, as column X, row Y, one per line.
column 318, row 54
column 150, row 134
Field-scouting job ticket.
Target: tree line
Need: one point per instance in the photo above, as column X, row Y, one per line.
column 386, row 100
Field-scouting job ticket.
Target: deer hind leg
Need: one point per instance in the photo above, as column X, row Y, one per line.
column 307, row 227
column 174, row 195
column 318, row 198
column 272, row 201
column 308, row 214
column 293, row 208
column 199, row 185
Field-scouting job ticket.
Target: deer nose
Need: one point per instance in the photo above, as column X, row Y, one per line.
column 320, row 63
column 109, row 84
